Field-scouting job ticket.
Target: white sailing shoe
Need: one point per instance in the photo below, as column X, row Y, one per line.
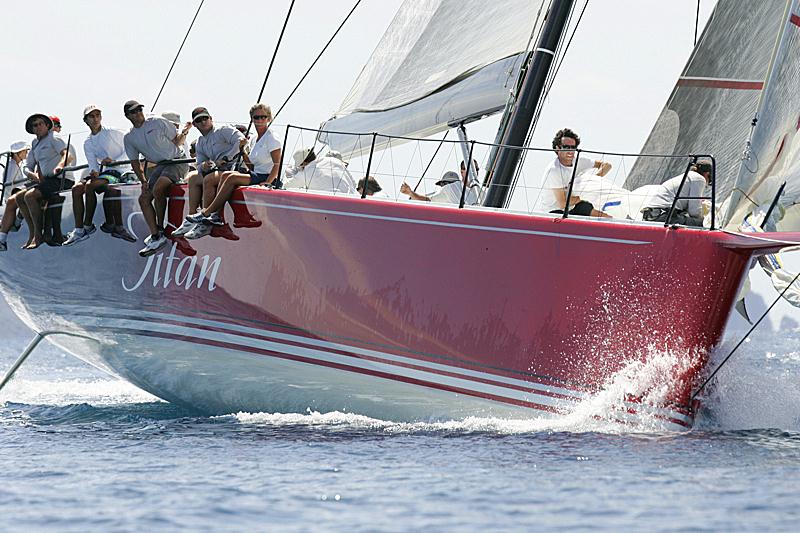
column 184, row 228
column 200, row 230
column 76, row 235
column 154, row 245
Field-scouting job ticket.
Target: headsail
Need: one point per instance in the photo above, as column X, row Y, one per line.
column 717, row 94
column 436, row 65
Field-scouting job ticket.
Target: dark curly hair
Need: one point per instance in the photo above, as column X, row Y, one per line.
column 566, row 132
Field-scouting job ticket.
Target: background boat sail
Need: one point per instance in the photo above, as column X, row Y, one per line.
column 737, row 98
column 341, row 315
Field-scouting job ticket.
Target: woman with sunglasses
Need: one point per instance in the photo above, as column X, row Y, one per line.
column 263, row 161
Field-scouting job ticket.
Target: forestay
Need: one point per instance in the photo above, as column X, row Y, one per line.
column 438, row 63
column 716, row 97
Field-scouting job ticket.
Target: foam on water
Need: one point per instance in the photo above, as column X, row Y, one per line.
column 758, row 388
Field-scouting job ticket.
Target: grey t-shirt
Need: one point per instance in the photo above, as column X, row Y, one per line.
column 153, row 140
column 219, row 142
column 47, row 153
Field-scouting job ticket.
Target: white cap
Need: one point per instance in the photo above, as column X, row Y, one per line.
column 301, row 155
column 172, row 116
column 19, row 146
column 89, row 108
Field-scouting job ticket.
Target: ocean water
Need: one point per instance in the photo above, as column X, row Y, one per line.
column 82, row 451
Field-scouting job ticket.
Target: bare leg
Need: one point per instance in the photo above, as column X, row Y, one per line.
column 26, row 214
column 196, row 191
column 9, row 214
column 210, row 186
column 33, row 198
column 93, row 188
column 78, row 191
column 160, row 191
column 229, row 184
column 146, row 205
column 112, row 206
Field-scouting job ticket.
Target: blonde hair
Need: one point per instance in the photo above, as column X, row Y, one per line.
column 263, row 107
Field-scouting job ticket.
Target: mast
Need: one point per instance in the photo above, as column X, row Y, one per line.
column 525, row 108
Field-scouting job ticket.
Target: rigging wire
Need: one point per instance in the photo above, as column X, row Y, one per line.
column 696, row 22
column 743, row 339
column 431, row 161
column 548, row 86
column 272, row 62
column 176, row 56
column 275, row 116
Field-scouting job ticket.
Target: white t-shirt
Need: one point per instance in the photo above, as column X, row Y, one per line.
column 261, row 152
column 106, row 143
column 13, row 175
column 556, row 177
column 323, row 174
column 451, row 194
column 695, row 186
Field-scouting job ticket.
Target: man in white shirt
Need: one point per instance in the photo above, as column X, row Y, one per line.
column 558, row 175
column 320, row 174
column 216, row 152
column 450, row 189
column 688, row 207
column 103, row 147
column 159, row 142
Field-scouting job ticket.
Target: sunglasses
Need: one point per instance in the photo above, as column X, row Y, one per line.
column 37, row 123
column 260, row 117
column 198, row 120
column 568, row 147
column 136, row 111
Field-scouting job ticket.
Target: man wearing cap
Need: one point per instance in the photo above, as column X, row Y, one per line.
column 320, row 174
column 451, row 188
column 13, row 177
column 216, row 152
column 157, row 140
column 102, row 148
column 45, row 163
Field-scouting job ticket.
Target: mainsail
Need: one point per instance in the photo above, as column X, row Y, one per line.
column 436, row 65
column 717, row 95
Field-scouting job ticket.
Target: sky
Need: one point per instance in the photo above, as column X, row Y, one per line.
column 62, row 56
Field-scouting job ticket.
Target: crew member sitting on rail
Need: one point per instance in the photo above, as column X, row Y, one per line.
column 263, row 162
column 157, row 140
column 14, row 178
column 559, row 174
column 320, row 173
column 688, row 207
column 216, row 152
column 102, row 147
column 45, row 163
column 451, row 188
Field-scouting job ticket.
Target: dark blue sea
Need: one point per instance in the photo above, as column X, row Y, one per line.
column 81, row 451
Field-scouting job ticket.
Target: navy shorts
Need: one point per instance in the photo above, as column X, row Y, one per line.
column 50, row 186
column 257, row 179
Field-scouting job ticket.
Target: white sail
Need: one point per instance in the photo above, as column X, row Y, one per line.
column 437, row 64
column 775, row 149
column 716, row 97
